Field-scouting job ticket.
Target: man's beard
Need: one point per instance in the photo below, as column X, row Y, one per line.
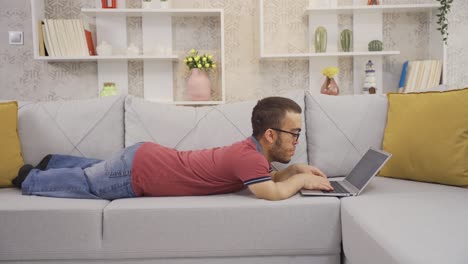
column 278, row 154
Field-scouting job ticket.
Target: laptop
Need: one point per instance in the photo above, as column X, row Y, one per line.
column 369, row 165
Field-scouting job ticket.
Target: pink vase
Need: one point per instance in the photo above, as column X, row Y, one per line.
column 199, row 86
column 330, row 87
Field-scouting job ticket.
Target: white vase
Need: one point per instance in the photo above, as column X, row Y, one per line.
column 146, row 4
column 165, row 4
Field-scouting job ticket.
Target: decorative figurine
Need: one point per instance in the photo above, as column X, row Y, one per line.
column 375, row 45
column 346, row 39
column 369, row 82
column 104, row 49
column 320, row 39
column 109, row 89
column 133, row 50
column 146, row 4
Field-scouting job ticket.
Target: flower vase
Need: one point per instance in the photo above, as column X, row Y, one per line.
column 330, row 87
column 199, row 86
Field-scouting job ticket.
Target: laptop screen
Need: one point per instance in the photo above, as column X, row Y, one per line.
column 366, row 167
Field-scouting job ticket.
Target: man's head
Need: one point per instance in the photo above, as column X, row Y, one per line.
column 276, row 123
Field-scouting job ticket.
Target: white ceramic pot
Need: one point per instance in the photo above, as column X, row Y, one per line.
column 165, row 4
column 146, row 4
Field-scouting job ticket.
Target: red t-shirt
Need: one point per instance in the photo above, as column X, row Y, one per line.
column 162, row 171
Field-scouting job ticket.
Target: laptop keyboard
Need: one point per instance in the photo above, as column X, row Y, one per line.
column 337, row 188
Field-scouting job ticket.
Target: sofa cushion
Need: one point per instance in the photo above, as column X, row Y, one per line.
column 73, row 127
column 11, row 158
column 427, row 133
column 399, row 221
column 35, row 227
column 340, row 129
column 191, row 128
column 221, row 225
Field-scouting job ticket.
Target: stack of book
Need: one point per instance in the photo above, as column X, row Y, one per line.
column 65, row 38
column 418, row 76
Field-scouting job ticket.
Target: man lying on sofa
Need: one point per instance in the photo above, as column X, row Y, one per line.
column 149, row 169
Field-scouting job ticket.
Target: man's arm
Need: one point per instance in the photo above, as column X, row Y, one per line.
column 271, row 190
column 282, row 175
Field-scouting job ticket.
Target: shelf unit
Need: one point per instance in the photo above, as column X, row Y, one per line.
column 111, row 26
column 367, row 26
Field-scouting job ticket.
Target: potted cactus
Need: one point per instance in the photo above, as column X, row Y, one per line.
column 375, row 45
column 320, row 39
column 346, row 40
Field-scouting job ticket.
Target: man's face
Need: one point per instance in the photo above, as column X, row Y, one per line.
column 285, row 144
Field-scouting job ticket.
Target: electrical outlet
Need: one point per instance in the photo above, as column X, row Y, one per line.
column 15, row 37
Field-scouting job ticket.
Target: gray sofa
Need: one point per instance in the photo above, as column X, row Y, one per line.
column 394, row 221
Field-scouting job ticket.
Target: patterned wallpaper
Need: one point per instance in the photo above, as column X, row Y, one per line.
column 246, row 76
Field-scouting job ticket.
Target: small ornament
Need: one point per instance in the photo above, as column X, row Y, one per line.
column 320, row 39
column 373, row 2
column 375, row 45
column 109, row 89
column 165, row 4
column 104, row 49
column 133, row 50
column 370, row 81
column 346, row 39
column 109, row 3
column 146, row 4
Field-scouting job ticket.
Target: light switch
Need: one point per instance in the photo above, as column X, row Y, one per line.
column 15, row 37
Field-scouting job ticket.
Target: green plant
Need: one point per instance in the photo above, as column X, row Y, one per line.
column 195, row 61
column 444, row 9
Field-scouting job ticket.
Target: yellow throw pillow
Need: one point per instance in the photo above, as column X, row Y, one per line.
column 427, row 133
column 11, row 158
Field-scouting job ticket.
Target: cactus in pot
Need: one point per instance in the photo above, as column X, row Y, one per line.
column 320, row 39
column 346, row 39
column 375, row 45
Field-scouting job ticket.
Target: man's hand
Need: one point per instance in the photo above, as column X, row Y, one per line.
column 271, row 190
column 316, row 182
column 305, row 168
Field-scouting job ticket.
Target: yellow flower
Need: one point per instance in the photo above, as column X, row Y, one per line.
column 210, row 57
column 193, row 51
column 213, row 66
column 207, row 65
column 190, row 59
column 330, row 72
column 197, row 58
column 204, row 59
column 199, row 65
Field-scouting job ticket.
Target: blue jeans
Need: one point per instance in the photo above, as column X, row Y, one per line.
column 78, row 177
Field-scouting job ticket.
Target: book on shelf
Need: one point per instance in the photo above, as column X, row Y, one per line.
column 42, row 49
column 420, row 75
column 65, row 38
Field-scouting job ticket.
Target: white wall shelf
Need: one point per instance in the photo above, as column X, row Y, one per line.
column 329, row 54
column 111, row 26
column 375, row 8
column 367, row 25
column 138, row 12
column 110, row 58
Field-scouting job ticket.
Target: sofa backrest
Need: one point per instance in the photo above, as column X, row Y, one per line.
column 191, row 128
column 91, row 128
column 340, row 129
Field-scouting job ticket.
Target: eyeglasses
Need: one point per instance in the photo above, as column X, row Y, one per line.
column 295, row 135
